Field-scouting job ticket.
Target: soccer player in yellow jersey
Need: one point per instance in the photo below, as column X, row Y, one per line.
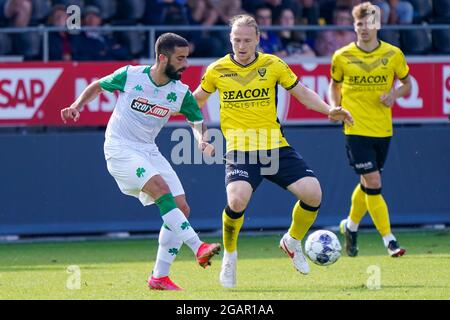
column 363, row 74
column 247, row 82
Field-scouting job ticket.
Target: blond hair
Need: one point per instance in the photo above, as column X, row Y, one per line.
column 244, row 20
column 363, row 10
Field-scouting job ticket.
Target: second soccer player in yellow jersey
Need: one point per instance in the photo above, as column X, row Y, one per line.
column 247, row 82
column 363, row 75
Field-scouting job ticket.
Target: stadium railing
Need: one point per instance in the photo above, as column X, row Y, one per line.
column 154, row 30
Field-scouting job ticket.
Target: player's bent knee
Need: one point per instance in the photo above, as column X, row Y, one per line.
column 163, row 188
column 312, row 195
column 237, row 205
column 308, row 190
column 313, row 199
column 372, row 180
column 156, row 187
column 373, row 184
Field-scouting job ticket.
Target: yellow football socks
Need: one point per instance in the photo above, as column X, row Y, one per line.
column 303, row 216
column 359, row 207
column 378, row 211
column 231, row 228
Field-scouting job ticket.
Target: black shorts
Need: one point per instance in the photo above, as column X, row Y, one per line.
column 282, row 166
column 367, row 154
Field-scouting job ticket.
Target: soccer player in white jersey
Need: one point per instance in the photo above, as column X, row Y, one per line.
column 147, row 98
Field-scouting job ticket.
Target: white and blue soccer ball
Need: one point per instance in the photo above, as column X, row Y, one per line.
column 323, row 247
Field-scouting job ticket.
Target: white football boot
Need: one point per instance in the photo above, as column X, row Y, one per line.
column 228, row 272
column 293, row 248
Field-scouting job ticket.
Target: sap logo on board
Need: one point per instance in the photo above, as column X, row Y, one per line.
column 22, row 91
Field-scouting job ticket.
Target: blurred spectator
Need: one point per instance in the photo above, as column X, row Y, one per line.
column 206, row 43
column 269, row 42
column 167, row 12
column 184, row 12
column 292, row 41
column 17, row 12
column 327, row 8
column 213, row 12
column 128, row 12
column 227, row 9
column 329, row 41
column 95, row 45
column 170, row 12
column 275, row 6
column 60, row 43
column 395, row 11
column 308, row 11
column 251, row 5
column 203, row 12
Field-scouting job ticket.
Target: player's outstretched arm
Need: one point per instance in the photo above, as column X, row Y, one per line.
column 198, row 127
column 201, row 96
column 201, row 136
column 334, row 93
column 312, row 101
column 90, row 93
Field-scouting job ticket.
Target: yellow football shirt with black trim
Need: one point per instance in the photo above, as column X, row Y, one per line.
column 248, row 100
column 365, row 77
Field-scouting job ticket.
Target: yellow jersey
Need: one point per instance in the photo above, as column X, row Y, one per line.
column 248, row 100
column 365, row 77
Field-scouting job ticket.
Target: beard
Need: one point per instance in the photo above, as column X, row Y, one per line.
column 172, row 73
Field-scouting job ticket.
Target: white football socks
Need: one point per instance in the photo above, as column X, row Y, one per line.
column 178, row 223
column 169, row 246
column 352, row 226
column 230, row 255
column 388, row 238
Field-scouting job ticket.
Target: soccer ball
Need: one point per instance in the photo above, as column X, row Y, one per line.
column 323, row 247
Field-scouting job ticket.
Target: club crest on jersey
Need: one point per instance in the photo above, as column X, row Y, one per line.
column 142, row 105
column 172, row 97
column 262, row 72
column 384, row 61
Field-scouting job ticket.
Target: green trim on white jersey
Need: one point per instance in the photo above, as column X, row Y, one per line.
column 190, row 109
column 143, row 108
column 115, row 81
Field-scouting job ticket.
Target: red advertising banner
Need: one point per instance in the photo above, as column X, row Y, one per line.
column 32, row 94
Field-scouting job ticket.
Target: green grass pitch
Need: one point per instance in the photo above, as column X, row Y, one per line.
column 117, row 269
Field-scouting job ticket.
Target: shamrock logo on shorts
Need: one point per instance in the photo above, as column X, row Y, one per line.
column 173, row 251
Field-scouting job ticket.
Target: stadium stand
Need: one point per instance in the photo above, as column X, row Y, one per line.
column 441, row 41
column 422, row 10
column 6, row 42
column 390, row 36
column 415, row 41
column 79, row 3
column 131, row 11
column 108, row 8
column 206, row 13
column 441, row 10
column 41, row 10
